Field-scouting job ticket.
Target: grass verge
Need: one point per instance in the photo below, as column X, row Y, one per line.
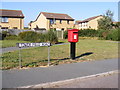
column 86, row 50
column 10, row 43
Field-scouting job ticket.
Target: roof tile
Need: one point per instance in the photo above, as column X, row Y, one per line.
column 11, row 13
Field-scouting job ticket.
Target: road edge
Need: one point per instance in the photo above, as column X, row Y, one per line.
column 49, row 84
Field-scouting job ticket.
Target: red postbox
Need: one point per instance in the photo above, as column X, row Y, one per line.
column 73, row 35
column 72, row 38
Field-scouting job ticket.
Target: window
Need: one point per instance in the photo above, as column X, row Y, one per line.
column 4, row 27
column 14, row 27
column 3, row 19
column 52, row 21
column 62, row 29
column 67, row 21
column 60, row 21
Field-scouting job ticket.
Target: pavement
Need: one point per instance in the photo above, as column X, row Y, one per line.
column 40, row 75
column 101, row 81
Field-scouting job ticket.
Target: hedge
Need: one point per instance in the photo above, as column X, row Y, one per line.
column 32, row 36
column 84, row 33
column 113, row 34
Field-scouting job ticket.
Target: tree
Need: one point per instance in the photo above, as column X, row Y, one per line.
column 106, row 23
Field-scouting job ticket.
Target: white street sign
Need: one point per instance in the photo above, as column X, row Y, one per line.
column 33, row 44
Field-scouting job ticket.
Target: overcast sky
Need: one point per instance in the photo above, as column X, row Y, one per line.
column 77, row 10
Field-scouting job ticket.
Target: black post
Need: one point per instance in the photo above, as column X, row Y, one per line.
column 72, row 50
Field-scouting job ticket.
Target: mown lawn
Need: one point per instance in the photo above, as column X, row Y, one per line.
column 10, row 43
column 86, row 50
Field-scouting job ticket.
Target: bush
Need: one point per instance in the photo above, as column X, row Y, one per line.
column 39, row 37
column 12, row 37
column 65, row 35
column 113, row 35
column 3, row 34
column 88, row 33
column 102, row 34
column 51, row 36
column 29, row 36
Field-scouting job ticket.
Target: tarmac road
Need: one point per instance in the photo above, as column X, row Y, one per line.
column 104, row 81
column 34, row 76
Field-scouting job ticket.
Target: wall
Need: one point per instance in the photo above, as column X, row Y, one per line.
column 64, row 24
column 14, row 22
column 41, row 22
column 94, row 23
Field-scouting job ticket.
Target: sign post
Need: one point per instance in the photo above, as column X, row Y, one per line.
column 20, row 45
column 20, row 59
column 48, row 55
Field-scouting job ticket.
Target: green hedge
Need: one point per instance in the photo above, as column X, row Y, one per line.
column 51, row 36
column 65, row 35
column 12, row 37
column 32, row 36
column 113, row 35
column 29, row 36
column 88, row 33
column 84, row 33
column 3, row 35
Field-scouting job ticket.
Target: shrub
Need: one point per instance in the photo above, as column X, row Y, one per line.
column 102, row 34
column 29, row 36
column 39, row 37
column 3, row 34
column 88, row 33
column 113, row 35
column 51, row 36
column 12, row 37
column 65, row 35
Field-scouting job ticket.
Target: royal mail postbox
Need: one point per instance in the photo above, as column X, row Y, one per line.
column 72, row 38
column 73, row 35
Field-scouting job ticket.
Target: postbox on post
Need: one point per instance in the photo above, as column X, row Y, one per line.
column 72, row 38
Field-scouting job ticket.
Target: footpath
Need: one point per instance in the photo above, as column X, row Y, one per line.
column 40, row 75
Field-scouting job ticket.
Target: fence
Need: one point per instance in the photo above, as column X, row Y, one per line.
column 36, row 56
column 13, row 31
column 16, row 32
column 59, row 34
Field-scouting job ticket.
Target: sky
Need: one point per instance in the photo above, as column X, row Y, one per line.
column 77, row 10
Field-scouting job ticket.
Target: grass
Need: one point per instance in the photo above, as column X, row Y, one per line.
column 85, row 50
column 10, row 43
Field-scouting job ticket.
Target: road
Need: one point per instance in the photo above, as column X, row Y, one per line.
column 39, row 75
column 102, row 81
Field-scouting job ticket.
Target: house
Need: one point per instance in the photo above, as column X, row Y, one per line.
column 90, row 23
column 56, row 21
column 11, row 19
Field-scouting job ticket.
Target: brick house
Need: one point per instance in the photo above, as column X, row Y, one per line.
column 54, row 21
column 11, row 19
column 90, row 23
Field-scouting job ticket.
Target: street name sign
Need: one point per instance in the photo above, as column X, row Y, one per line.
column 20, row 45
